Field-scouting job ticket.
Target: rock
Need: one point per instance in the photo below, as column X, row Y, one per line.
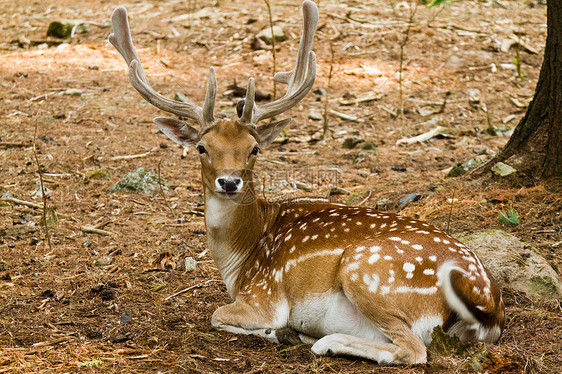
column 464, row 167
column 515, row 264
column 350, row 143
column 188, row 264
column 268, row 37
column 315, row 116
column 384, row 204
column 63, row 29
column 502, row 170
column 409, row 199
column 482, row 150
column 104, row 261
column 501, row 130
column 368, row 146
column 98, row 174
column 139, row 180
column 38, row 192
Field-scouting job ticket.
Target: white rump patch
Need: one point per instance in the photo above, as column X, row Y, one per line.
column 423, row 327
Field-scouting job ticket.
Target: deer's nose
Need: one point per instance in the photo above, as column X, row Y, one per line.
column 229, row 184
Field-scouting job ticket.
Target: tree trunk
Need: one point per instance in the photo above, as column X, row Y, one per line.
column 535, row 148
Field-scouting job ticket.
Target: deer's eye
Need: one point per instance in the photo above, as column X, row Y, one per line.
column 255, row 150
column 201, row 149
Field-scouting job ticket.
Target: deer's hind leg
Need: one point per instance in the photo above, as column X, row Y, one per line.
column 240, row 317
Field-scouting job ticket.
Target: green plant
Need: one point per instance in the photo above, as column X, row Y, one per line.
column 512, row 217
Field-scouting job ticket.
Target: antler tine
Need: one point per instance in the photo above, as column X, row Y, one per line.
column 249, row 103
column 300, row 79
column 122, row 41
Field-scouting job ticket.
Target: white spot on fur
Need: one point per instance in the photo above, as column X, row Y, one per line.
column 433, row 258
column 429, row 272
column 374, row 258
column 372, row 282
column 409, row 267
column 417, row 246
column 375, row 248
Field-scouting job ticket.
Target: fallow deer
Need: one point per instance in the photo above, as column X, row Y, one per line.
column 348, row 280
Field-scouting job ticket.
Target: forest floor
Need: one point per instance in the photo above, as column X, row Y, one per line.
column 106, row 303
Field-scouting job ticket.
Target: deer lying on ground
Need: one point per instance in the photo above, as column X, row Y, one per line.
column 348, row 280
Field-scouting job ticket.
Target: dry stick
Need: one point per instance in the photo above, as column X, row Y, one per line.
column 93, row 230
column 325, row 126
column 22, row 202
column 273, row 47
column 41, row 184
column 450, row 212
column 206, row 283
column 403, row 42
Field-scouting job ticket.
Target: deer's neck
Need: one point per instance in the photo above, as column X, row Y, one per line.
column 233, row 234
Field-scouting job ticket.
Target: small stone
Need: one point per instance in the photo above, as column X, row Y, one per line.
column 120, row 338
column 315, row 116
column 98, row 174
column 409, row 198
column 63, row 29
column 189, row 264
column 350, row 143
column 139, row 180
column 33, row 241
column 104, row 261
column 368, row 146
column 199, row 232
column 38, row 192
column 86, row 243
column 125, row 319
column 268, row 37
column 481, row 150
column 502, row 170
column 383, row 204
column 464, row 167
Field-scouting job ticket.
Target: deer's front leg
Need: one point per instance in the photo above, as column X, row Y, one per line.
column 242, row 318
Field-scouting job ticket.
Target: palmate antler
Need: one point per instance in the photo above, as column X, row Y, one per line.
column 299, row 83
column 299, row 80
column 122, row 41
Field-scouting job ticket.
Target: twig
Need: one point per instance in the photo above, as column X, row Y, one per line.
column 450, row 213
column 365, row 199
column 191, row 288
column 273, row 47
column 93, row 230
column 8, row 144
column 344, row 116
column 326, row 101
column 42, row 186
column 22, row 202
column 130, row 157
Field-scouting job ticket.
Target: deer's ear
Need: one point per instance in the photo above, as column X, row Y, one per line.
column 180, row 132
column 268, row 133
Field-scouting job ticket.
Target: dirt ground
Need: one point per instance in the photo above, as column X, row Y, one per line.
column 93, row 302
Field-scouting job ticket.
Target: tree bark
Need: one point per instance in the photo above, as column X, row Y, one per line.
column 535, row 148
